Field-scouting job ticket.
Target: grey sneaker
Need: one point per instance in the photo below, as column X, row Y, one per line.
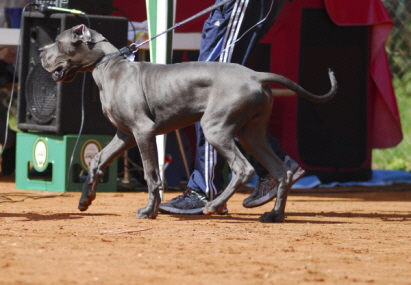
column 189, row 202
column 266, row 188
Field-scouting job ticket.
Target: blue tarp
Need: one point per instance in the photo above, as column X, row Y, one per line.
column 379, row 178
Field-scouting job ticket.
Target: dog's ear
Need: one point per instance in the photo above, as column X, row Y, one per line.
column 82, row 33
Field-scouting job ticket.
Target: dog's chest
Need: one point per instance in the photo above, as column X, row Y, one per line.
column 114, row 112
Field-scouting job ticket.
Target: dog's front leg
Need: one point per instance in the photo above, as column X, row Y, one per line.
column 120, row 143
column 148, row 151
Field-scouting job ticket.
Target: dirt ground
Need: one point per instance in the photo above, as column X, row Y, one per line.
column 330, row 236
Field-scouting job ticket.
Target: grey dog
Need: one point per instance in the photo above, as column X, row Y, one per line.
column 143, row 100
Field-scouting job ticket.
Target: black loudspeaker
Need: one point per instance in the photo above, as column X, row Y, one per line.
column 48, row 106
column 332, row 136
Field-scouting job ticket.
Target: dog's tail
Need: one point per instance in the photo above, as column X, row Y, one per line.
column 279, row 79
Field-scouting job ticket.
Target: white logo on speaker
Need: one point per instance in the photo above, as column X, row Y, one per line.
column 89, row 150
column 40, row 154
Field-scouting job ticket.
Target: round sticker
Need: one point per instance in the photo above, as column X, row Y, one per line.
column 40, row 154
column 89, row 149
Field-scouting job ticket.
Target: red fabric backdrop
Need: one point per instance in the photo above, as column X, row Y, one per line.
column 386, row 129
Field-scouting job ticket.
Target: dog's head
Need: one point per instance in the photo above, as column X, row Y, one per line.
column 73, row 51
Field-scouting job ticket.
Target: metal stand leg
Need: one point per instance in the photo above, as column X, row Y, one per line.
column 183, row 154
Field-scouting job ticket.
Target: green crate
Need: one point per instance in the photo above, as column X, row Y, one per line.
column 43, row 160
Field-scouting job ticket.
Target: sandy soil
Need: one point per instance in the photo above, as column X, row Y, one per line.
column 359, row 236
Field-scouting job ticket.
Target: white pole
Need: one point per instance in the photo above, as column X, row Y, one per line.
column 161, row 15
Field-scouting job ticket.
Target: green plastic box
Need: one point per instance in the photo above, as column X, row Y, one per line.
column 43, row 162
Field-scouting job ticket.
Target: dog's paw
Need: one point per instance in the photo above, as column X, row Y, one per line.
column 207, row 211
column 272, row 217
column 210, row 209
column 82, row 208
column 144, row 213
column 85, row 201
column 84, row 204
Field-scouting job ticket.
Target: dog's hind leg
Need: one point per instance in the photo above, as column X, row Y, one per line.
column 241, row 169
column 253, row 139
column 120, row 143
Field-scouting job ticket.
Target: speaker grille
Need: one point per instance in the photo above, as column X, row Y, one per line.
column 41, row 95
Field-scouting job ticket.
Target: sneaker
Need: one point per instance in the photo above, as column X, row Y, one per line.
column 189, row 202
column 266, row 188
column 175, row 199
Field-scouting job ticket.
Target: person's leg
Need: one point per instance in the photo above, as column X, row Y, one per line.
column 227, row 37
column 260, row 15
column 208, row 169
column 257, row 18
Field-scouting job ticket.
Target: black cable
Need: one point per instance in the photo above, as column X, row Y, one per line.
column 83, row 89
column 128, row 19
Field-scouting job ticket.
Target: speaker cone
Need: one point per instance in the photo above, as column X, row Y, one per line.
column 41, row 95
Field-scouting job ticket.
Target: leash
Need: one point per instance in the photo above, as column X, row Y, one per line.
column 133, row 48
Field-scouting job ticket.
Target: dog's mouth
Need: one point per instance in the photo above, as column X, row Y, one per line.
column 60, row 75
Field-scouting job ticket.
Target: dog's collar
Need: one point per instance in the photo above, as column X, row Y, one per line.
column 125, row 51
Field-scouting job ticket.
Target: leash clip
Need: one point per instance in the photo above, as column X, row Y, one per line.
column 128, row 50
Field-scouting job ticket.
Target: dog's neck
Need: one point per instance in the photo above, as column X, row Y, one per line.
column 125, row 51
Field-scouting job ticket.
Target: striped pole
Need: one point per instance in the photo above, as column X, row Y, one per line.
column 161, row 15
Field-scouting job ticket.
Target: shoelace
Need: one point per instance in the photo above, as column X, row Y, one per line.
column 182, row 195
column 262, row 181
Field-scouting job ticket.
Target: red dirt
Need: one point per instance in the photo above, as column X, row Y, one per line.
column 328, row 238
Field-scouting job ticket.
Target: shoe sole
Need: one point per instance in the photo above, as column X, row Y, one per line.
column 172, row 210
column 271, row 195
column 197, row 211
column 262, row 200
